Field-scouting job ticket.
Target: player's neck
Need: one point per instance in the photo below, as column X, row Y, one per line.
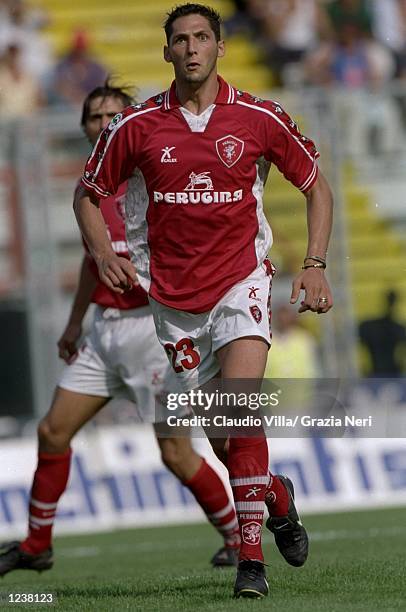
column 197, row 97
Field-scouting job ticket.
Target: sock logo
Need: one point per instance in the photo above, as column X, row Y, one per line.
column 254, row 491
column 251, row 533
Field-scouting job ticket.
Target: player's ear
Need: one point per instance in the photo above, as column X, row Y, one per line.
column 167, row 55
column 221, row 48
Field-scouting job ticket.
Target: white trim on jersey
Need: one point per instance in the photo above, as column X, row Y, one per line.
column 117, row 127
column 231, row 95
column 166, row 100
column 310, row 178
column 271, row 114
column 94, row 187
column 263, row 238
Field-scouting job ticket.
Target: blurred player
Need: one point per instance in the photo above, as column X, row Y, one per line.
column 120, row 357
column 197, row 157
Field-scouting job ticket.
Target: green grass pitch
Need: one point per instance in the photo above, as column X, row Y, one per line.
column 357, row 562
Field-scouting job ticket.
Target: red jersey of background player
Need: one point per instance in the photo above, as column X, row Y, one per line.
column 112, row 209
column 195, row 221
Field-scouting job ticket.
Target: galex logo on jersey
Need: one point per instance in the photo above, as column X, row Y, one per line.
column 229, row 149
column 198, row 190
column 166, row 157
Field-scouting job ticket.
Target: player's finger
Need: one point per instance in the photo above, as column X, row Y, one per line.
column 129, row 270
column 296, row 285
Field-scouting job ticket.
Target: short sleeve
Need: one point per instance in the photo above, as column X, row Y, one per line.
column 294, row 155
column 113, row 158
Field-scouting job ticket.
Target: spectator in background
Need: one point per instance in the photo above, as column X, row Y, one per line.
column 292, row 28
column 389, row 27
column 22, row 26
column 294, row 349
column 350, row 59
column 358, row 12
column 76, row 74
column 385, row 340
column 20, row 93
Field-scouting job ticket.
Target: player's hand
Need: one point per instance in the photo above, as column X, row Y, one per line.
column 68, row 342
column 118, row 273
column 318, row 297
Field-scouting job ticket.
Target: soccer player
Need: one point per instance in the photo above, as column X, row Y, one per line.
column 120, row 356
column 197, row 157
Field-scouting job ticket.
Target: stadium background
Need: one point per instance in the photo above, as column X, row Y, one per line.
column 117, row 478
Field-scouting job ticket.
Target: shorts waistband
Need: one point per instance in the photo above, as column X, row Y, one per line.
column 116, row 313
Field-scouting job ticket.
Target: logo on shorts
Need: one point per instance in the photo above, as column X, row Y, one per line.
column 256, row 314
column 251, row 533
column 156, row 378
column 253, row 293
column 229, row 149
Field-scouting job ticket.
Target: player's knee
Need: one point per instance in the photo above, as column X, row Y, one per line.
column 176, row 455
column 50, row 438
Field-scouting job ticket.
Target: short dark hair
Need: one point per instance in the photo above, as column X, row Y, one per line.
column 105, row 91
column 182, row 10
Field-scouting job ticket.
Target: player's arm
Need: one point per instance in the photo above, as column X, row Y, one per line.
column 68, row 342
column 319, row 222
column 296, row 157
column 118, row 273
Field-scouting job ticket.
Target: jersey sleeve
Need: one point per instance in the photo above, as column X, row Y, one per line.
column 294, row 155
column 113, row 158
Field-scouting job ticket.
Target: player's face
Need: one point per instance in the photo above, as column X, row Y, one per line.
column 101, row 112
column 193, row 49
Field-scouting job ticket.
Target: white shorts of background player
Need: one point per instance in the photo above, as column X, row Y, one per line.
column 121, row 357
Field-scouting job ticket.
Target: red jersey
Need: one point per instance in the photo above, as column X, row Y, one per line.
column 195, row 221
column 112, row 209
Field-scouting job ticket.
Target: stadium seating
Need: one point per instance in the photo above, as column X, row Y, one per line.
column 128, row 38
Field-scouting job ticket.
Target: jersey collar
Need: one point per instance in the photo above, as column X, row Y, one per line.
column 226, row 95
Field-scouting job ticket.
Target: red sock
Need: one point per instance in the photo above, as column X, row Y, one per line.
column 248, row 469
column 49, row 483
column 276, row 497
column 211, row 495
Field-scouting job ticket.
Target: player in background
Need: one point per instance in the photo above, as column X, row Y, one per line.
column 197, row 157
column 121, row 356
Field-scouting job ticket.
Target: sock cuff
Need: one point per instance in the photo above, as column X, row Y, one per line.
column 198, row 475
column 55, row 456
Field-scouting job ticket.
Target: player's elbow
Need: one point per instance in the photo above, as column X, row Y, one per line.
column 320, row 191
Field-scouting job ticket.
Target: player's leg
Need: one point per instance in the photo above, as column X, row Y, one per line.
column 84, row 388
column 208, row 489
column 69, row 411
column 245, row 358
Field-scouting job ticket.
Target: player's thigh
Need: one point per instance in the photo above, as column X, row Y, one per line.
column 69, row 411
column 244, row 358
column 241, row 326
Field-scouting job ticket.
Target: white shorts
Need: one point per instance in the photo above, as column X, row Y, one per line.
column 191, row 340
column 122, row 358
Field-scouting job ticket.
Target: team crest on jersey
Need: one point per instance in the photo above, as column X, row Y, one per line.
column 229, row 149
column 116, row 119
column 256, row 314
column 158, row 99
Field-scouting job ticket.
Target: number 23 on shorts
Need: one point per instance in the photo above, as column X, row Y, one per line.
column 186, row 351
